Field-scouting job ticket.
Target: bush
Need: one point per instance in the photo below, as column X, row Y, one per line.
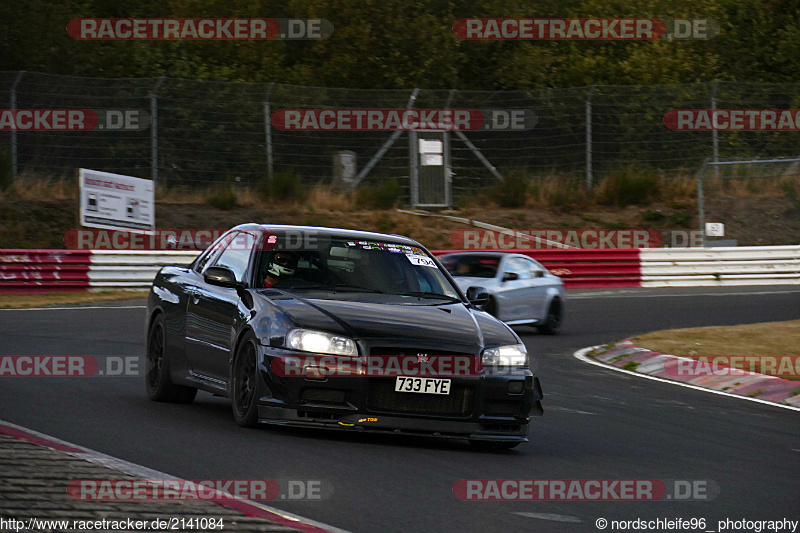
column 680, row 219
column 383, row 195
column 653, row 215
column 565, row 197
column 223, row 197
column 386, row 224
column 6, row 177
column 511, row 192
column 628, row 188
column 287, row 185
column 789, row 190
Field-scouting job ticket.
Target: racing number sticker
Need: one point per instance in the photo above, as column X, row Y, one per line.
column 421, row 261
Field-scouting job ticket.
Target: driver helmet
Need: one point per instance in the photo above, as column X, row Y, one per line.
column 282, row 264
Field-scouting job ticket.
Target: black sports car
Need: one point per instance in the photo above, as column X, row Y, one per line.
column 337, row 329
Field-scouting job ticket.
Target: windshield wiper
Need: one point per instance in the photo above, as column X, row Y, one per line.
column 431, row 295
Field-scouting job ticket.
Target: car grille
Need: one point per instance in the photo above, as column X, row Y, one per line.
column 387, row 350
column 382, row 397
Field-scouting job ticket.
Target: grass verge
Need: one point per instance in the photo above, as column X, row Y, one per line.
column 763, row 339
column 27, row 301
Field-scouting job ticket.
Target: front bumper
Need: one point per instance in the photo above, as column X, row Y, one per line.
column 486, row 406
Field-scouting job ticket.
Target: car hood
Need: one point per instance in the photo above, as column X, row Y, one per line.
column 452, row 325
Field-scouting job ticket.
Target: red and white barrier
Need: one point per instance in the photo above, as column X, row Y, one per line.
column 70, row 270
column 32, row 270
column 585, row 268
column 24, row 271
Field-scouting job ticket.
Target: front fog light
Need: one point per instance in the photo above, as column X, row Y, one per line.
column 516, row 387
column 511, row 355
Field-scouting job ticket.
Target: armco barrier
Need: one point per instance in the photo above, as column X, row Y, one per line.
column 132, row 269
column 687, row 267
column 70, row 270
column 586, row 269
column 44, row 270
column 23, row 271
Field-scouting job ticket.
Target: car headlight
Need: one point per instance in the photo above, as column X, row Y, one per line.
column 511, row 355
column 306, row 340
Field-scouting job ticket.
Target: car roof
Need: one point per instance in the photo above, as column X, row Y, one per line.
column 498, row 255
column 330, row 232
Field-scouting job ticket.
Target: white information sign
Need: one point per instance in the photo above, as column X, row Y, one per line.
column 113, row 201
column 431, row 160
column 430, row 146
column 715, row 229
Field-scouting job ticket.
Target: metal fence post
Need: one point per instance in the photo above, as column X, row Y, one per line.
column 413, row 169
column 13, row 106
column 714, row 132
column 154, row 131
column 700, row 202
column 448, row 171
column 589, row 138
column 268, row 136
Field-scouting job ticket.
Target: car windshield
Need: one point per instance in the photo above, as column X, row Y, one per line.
column 475, row 266
column 343, row 266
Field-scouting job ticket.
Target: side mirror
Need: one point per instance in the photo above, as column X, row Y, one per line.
column 539, row 274
column 220, row 276
column 510, row 276
column 477, row 296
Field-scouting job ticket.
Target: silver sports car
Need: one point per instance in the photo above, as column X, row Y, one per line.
column 521, row 291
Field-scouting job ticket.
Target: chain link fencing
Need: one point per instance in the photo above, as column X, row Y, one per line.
column 200, row 133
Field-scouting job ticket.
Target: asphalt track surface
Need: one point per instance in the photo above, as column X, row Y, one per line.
column 598, row 424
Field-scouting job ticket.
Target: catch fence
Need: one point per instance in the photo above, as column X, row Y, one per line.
column 194, row 132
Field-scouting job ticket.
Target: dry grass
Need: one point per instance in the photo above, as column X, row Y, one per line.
column 36, row 212
column 319, row 197
column 26, row 301
column 182, row 195
column 551, row 191
column 679, row 188
column 29, row 187
column 324, row 198
column 764, row 339
column 768, row 187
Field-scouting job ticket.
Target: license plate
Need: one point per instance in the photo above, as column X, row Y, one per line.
column 422, row 385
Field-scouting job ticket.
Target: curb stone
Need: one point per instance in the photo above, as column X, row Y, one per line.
column 626, row 355
column 35, row 470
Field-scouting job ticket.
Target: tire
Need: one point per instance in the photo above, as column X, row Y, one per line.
column 493, row 446
column 160, row 387
column 552, row 323
column 244, row 383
